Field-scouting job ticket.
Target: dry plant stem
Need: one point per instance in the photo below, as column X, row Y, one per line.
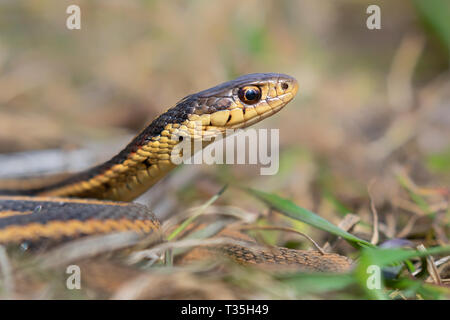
column 407, row 229
column 432, row 269
column 375, row 235
column 144, row 254
column 412, row 207
column 442, row 261
column 286, row 230
column 420, row 190
column 231, row 211
column 391, row 225
column 400, row 91
column 397, row 293
column 438, row 263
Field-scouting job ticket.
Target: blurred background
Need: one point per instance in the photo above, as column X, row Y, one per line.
column 373, row 107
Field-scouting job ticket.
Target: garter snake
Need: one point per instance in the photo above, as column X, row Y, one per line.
column 95, row 201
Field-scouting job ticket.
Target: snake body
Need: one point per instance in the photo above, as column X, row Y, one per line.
column 96, row 201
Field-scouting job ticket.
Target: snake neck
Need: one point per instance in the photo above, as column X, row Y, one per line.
column 141, row 164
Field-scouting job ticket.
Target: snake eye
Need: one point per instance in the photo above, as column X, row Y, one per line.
column 250, row 94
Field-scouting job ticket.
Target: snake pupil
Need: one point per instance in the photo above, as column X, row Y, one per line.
column 250, row 94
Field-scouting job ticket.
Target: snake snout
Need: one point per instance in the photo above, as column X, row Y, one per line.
column 285, row 88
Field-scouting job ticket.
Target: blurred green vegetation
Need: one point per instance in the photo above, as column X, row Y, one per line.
column 435, row 14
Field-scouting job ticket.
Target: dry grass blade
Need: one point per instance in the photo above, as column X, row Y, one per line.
column 87, row 247
column 232, row 211
column 400, row 90
column 286, row 230
column 149, row 253
column 408, row 227
column 438, row 263
column 431, row 266
column 375, row 235
column 408, row 206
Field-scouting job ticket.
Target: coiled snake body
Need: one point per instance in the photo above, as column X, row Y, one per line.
column 93, row 202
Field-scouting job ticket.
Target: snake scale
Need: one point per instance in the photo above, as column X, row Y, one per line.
column 96, row 201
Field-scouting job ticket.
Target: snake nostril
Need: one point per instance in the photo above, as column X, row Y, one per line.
column 284, row 86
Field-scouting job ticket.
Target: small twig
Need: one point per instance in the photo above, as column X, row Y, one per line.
column 438, row 263
column 442, row 261
column 432, row 269
column 408, row 206
column 375, row 236
column 287, row 230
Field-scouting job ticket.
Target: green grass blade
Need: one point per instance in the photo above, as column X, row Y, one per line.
column 384, row 257
column 435, row 14
column 376, row 257
column 293, row 211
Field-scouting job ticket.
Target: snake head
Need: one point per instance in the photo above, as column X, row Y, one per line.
column 241, row 102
